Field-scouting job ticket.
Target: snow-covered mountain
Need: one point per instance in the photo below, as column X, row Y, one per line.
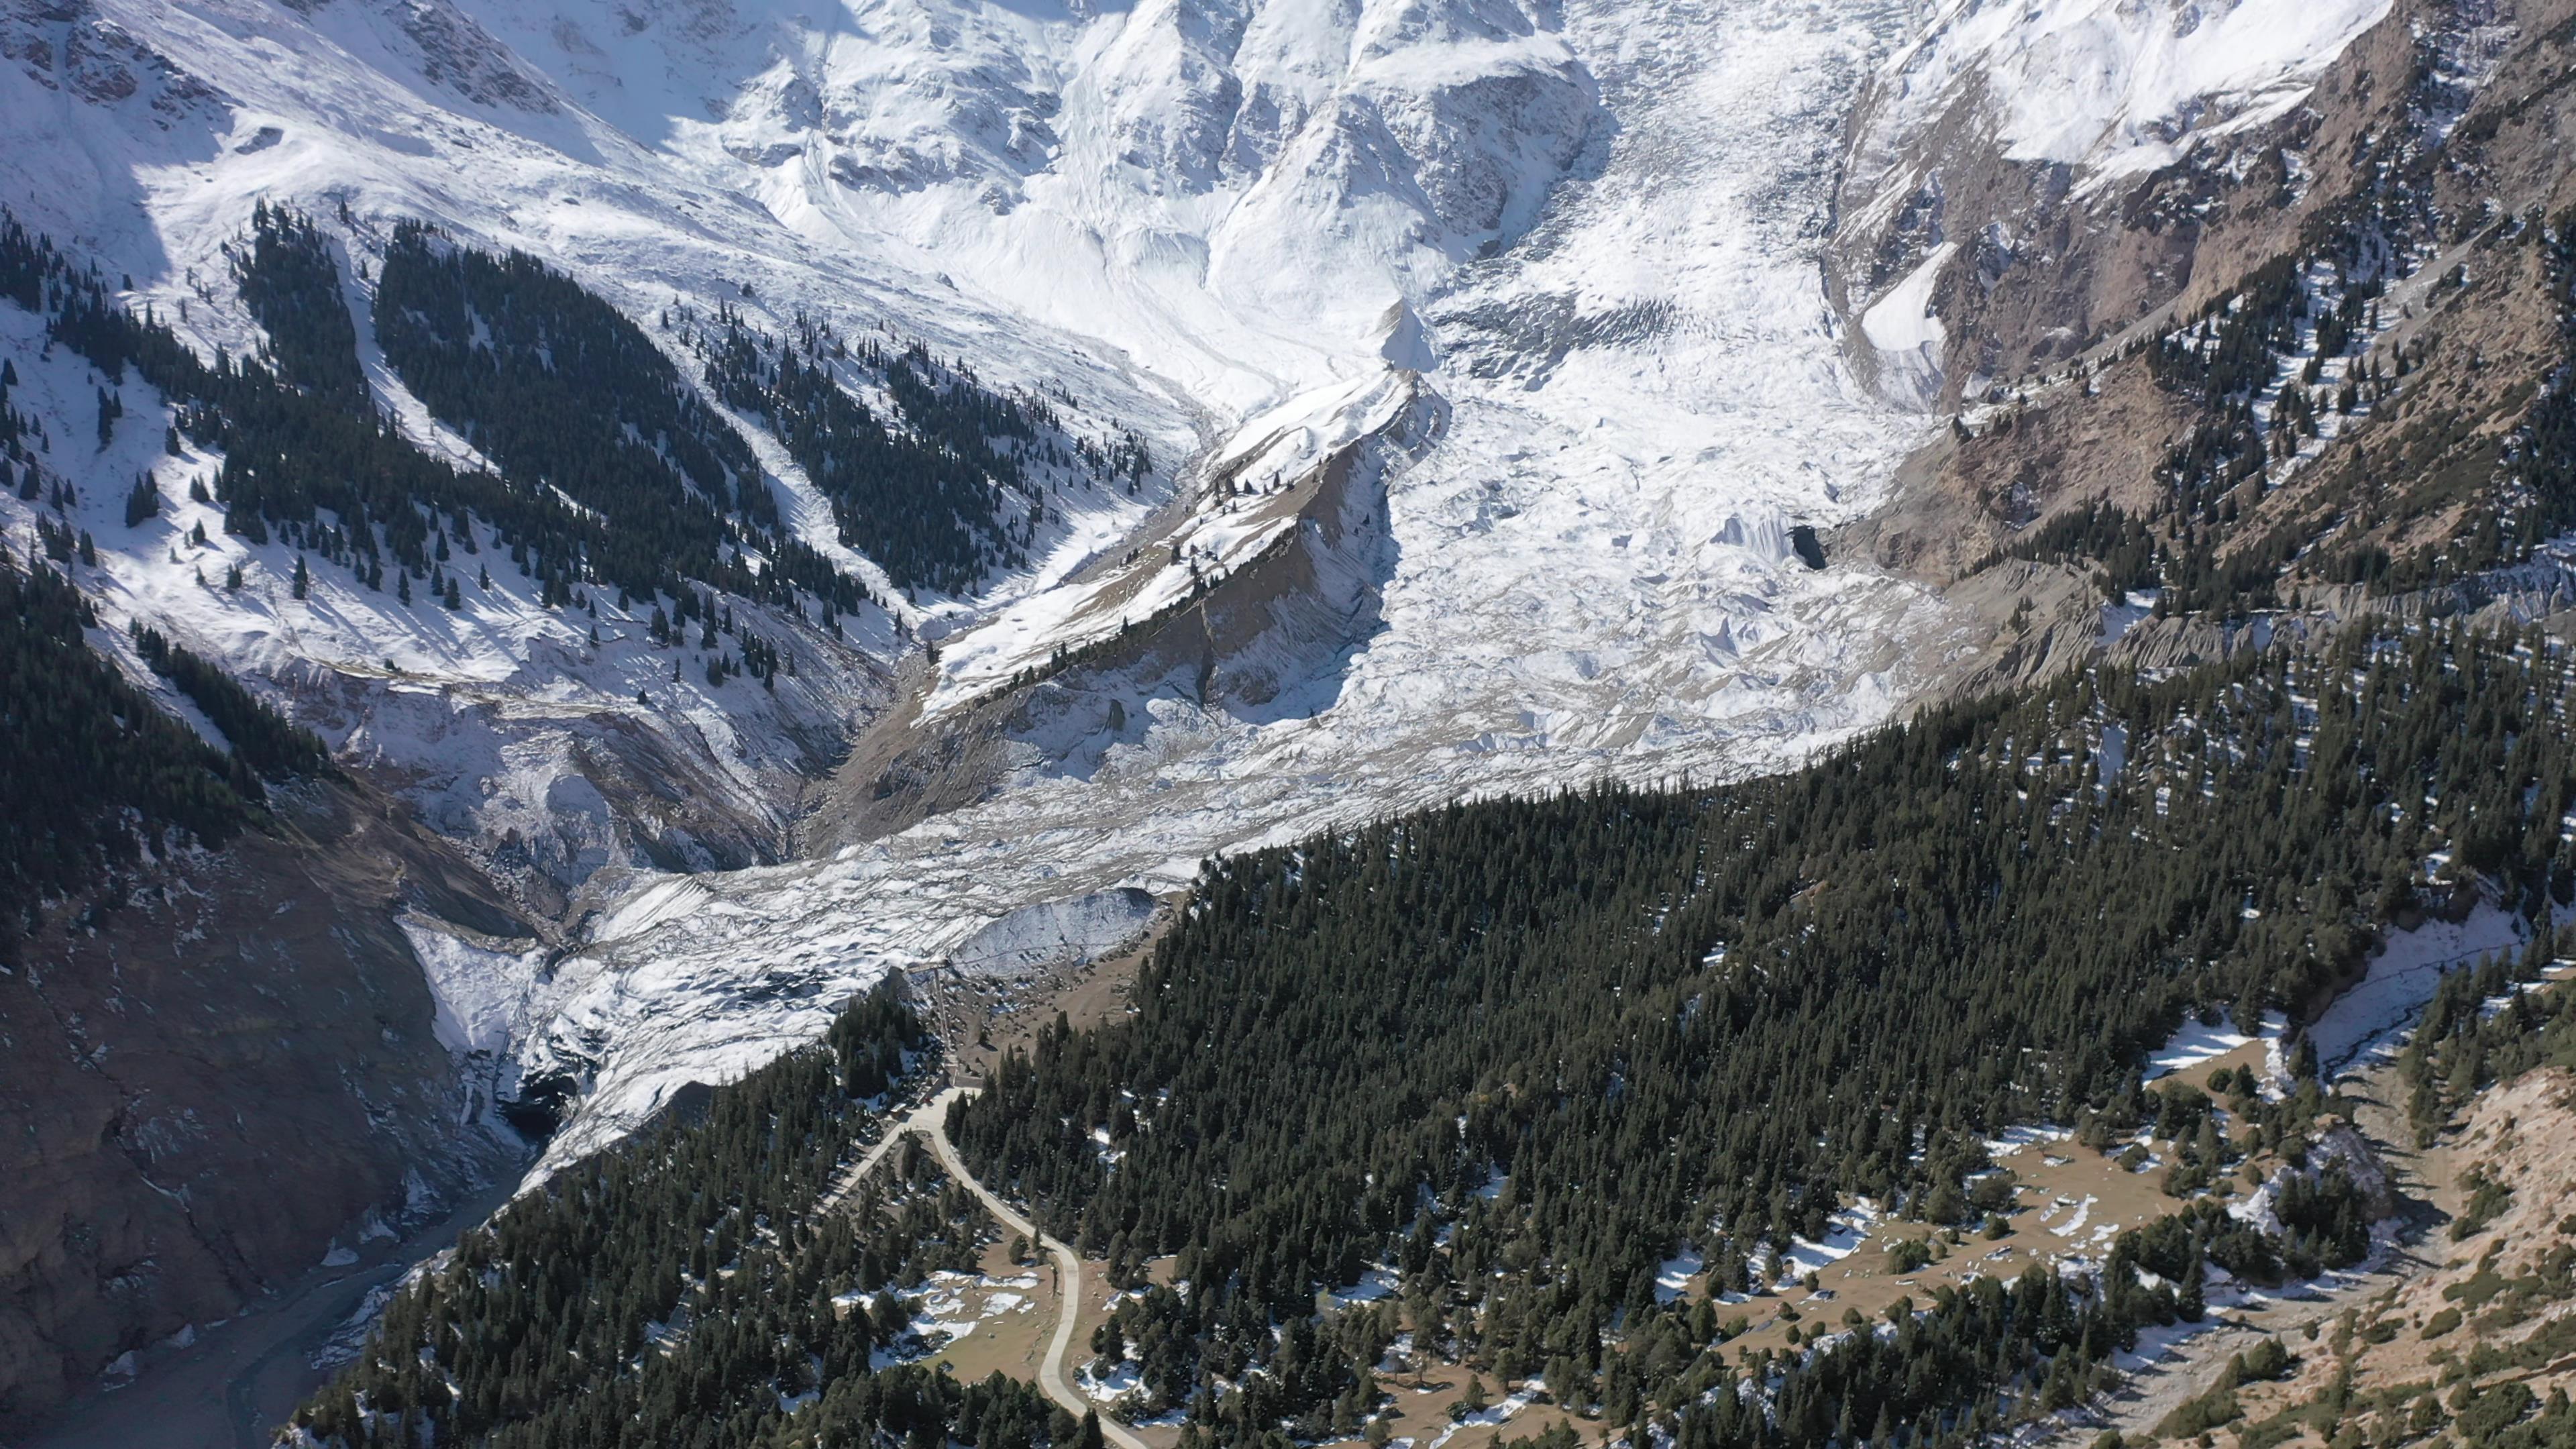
column 2029, row 135
column 1525, row 326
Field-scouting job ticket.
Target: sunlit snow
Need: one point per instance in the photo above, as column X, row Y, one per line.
column 1557, row 269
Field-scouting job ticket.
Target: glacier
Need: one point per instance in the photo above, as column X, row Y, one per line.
column 1553, row 269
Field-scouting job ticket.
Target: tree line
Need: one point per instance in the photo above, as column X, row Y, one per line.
column 684, row 1288
column 96, row 771
column 1522, row 1051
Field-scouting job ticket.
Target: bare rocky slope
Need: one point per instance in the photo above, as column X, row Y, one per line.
column 1241, row 643
column 2461, row 1337
column 221, row 1075
column 2420, row 183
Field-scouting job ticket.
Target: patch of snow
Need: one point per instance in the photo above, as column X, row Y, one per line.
column 2026, row 1134
column 1908, row 334
column 1496, row 1413
column 1847, row 1229
column 2121, row 617
column 2075, row 1224
column 1675, row 1273
column 2194, row 1044
column 2118, row 87
column 2402, row 978
column 1376, row 1285
column 1116, row 1384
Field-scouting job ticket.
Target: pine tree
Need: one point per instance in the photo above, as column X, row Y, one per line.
column 302, row 580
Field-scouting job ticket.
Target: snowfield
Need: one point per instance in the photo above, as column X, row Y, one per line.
column 1553, row 270
column 2120, row 87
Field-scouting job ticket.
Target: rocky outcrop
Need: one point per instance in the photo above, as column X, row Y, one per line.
column 2416, row 155
column 546, row 792
column 1256, row 643
column 215, row 1078
column 2030, row 180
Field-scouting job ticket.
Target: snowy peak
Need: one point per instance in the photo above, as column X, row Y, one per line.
column 2115, row 86
column 71, row 48
column 1148, row 176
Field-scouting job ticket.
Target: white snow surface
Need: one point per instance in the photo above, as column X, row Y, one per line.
column 1570, row 252
column 1908, row 333
column 2194, row 1043
column 2403, row 977
column 2117, row 87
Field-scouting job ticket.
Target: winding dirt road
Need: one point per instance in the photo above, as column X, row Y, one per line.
column 931, row 1120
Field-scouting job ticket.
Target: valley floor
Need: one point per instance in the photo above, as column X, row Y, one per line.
column 238, row 1381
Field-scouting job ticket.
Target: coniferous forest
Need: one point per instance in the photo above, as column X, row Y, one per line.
column 939, row 503
column 1518, row 1052
column 1522, row 1051
column 290, row 280
column 97, row 770
column 685, row 1289
column 615, row 478
column 935, row 515
column 562, row 392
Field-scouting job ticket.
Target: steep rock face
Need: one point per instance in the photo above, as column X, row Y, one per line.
column 2424, row 141
column 1257, row 643
column 214, row 1079
column 1293, row 165
column 549, row 785
column 2024, row 180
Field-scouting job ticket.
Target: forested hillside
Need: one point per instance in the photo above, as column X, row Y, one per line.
column 97, row 773
column 2383, row 405
column 955, row 493
column 1524, row 1050
column 563, row 392
column 289, row 276
column 687, row 1288
column 612, row 476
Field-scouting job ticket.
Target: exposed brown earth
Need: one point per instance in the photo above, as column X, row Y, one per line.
column 2094, row 268
column 2479, row 1310
column 215, row 1080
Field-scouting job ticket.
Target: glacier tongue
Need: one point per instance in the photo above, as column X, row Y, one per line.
column 1626, row 403
column 1553, row 266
